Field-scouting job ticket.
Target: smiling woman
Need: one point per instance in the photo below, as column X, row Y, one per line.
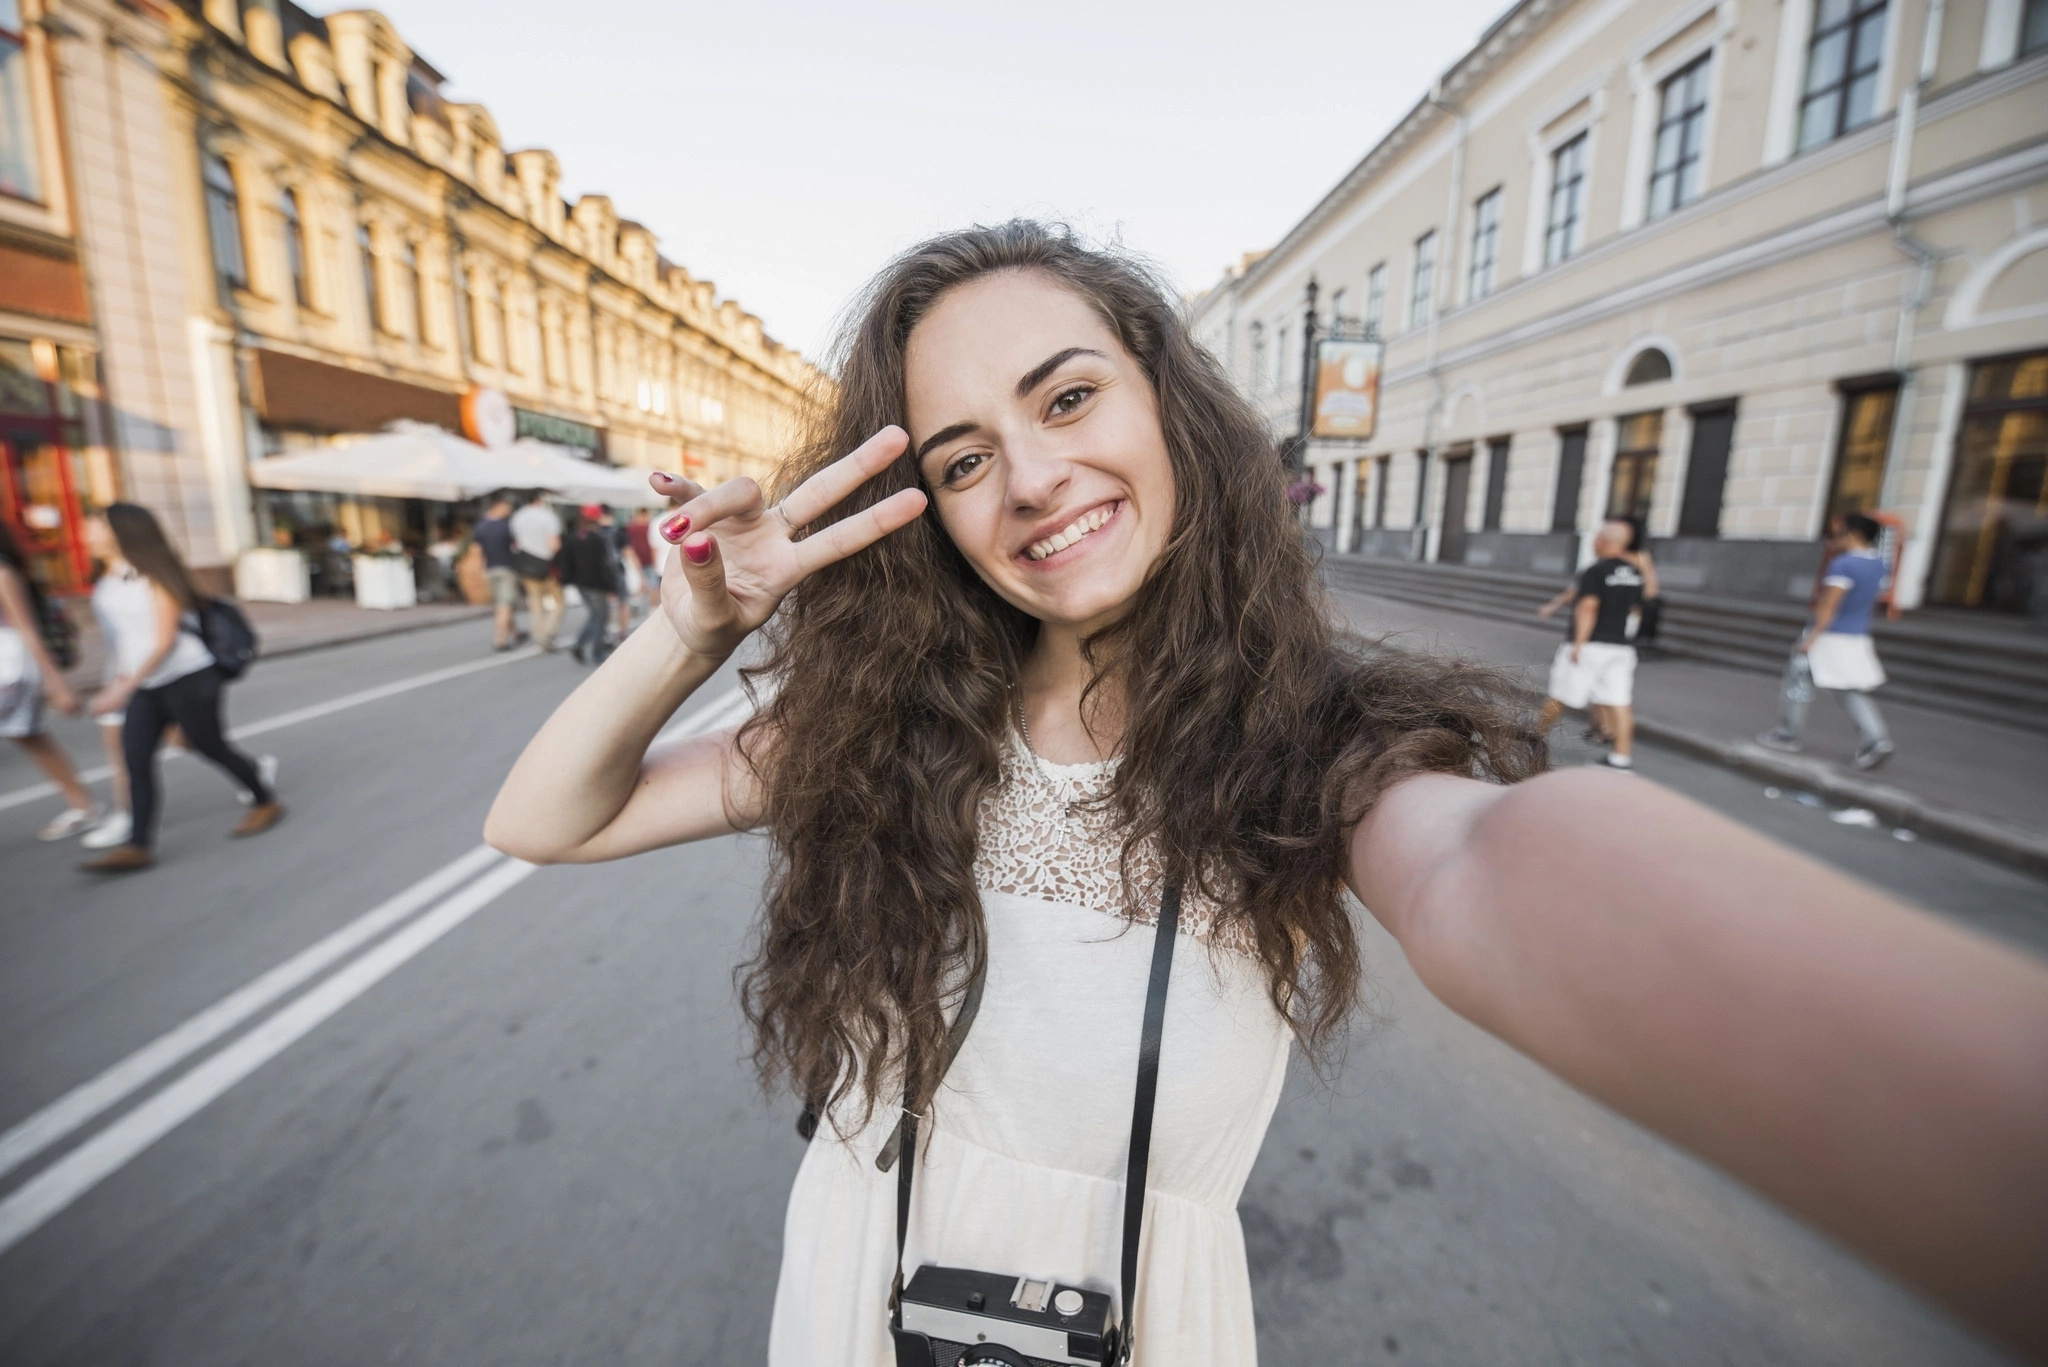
column 1059, row 718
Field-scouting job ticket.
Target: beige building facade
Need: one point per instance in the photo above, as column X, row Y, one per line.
column 1733, row 267
column 291, row 237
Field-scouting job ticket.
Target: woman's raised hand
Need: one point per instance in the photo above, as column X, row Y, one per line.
column 738, row 556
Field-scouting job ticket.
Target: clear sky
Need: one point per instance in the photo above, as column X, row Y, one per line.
column 785, row 151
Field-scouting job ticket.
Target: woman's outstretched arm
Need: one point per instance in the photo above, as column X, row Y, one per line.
column 1876, row 1070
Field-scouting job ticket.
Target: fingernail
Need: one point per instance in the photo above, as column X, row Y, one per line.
column 675, row 528
column 663, row 474
column 699, row 551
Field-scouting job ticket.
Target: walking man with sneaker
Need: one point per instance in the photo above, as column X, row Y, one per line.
column 1836, row 652
column 1597, row 666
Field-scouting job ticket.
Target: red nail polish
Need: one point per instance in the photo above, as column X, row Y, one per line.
column 675, row 528
column 698, row 551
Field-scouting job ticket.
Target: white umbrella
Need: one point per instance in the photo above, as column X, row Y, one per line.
column 412, row 460
column 543, row 465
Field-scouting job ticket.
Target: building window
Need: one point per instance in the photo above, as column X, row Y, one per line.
column 1282, row 362
column 1866, row 440
column 2034, row 28
column 1337, row 302
column 1376, row 298
column 1485, row 245
column 465, row 319
column 1383, row 468
column 1496, row 483
column 409, row 257
column 1258, row 355
column 1571, row 474
column 1421, row 293
column 1706, row 469
column 505, row 326
column 1681, row 130
column 1648, row 366
column 224, row 223
column 1565, row 225
column 294, row 245
column 368, row 251
column 19, row 165
column 1638, row 438
column 1989, row 554
column 1841, row 69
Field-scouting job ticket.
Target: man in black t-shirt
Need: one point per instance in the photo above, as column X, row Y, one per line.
column 494, row 534
column 1596, row 666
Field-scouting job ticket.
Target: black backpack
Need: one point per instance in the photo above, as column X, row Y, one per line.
column 228, row 635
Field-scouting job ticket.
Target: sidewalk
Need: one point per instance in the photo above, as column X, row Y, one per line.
column 287, row 628
column 1964, row 782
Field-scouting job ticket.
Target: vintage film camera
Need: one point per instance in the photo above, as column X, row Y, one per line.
column 985, row 1317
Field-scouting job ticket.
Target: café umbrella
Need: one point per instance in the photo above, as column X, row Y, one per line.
column 415, row 460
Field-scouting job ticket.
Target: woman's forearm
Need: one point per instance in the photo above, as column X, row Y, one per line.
column 1878, row 1071
column 578, row 773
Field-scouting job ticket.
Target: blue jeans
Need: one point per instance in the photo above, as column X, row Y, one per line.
column 597, row 608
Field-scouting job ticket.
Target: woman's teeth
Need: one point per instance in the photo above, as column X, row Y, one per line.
column 1072, row 532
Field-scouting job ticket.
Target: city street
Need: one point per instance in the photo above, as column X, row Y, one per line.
column 507, row 1117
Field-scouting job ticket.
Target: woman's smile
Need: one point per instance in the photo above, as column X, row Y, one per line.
column 1066, row 545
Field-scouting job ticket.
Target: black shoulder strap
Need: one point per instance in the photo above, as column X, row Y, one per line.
column 1141, row 1109
column 905, row 1138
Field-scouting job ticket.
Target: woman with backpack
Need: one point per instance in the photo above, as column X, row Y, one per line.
column 30, row 676
column 177, row 683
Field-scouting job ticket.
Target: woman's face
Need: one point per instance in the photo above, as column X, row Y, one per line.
column 1038, row 436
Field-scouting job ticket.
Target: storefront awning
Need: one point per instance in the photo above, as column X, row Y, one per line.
column 418, row 461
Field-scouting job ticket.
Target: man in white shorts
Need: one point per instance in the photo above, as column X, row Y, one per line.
column 1597, row 665
column 1836, row 653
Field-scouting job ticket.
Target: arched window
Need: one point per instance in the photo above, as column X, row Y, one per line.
column 224, row 222
column 368, row 250
column 1649, row 366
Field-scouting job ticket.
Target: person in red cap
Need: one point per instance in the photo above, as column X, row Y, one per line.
column 590, row 565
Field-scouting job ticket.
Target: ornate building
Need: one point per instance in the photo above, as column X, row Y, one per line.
column 1733, row 268
column 291, row 236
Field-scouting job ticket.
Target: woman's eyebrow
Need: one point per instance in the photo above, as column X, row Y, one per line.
column 1036, row 375
column 944, row 435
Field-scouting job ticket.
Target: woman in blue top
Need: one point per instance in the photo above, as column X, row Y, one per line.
column 1836, row 653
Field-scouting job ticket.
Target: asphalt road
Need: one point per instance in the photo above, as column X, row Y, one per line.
column 514, row 1122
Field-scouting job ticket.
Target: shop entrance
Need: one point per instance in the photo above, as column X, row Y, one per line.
column 1994, row 529
column 44, row 474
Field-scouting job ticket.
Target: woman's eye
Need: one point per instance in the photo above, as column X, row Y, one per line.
column 1070, row 399
column 962, row 467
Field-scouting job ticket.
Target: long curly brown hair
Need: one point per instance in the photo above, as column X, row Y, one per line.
column 1254, row 738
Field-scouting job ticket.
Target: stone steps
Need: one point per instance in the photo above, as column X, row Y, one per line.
column 1986, row 670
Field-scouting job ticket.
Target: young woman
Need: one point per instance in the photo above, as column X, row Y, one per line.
column 1047, row 643
column 174, row 682
column 28, row 679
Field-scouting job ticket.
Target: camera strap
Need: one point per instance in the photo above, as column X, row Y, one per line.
column 905, row 1139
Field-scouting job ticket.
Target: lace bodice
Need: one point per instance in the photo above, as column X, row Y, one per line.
column 1042, row 835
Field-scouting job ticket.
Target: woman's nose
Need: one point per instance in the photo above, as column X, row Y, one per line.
column 1037, row 475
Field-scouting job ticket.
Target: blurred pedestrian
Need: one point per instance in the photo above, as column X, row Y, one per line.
column 493, row 536
column 1835, row 651
column 590, row 565
column 536, row 541
column 30, row 676
column 1596, row 666
column 176, row 681
column 1643, row 624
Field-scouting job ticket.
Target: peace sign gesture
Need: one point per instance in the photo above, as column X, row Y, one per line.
column 738, row 556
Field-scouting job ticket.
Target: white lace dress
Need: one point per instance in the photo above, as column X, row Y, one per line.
column 1023, row 1167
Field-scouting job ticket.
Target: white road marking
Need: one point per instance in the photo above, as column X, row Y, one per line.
column 41, row 1198
column 78, row 1172
column 37, row 791
column 88, row 1100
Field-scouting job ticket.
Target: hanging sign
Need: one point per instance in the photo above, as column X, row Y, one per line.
column 487, row 417
column 1347, row 403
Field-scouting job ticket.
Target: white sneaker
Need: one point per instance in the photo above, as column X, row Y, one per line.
column 266, row 769
column 115, row 830
column 67, row 822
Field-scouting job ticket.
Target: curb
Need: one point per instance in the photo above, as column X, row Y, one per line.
column 394, row 629
column 2021, row 848
column 2015, row 846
